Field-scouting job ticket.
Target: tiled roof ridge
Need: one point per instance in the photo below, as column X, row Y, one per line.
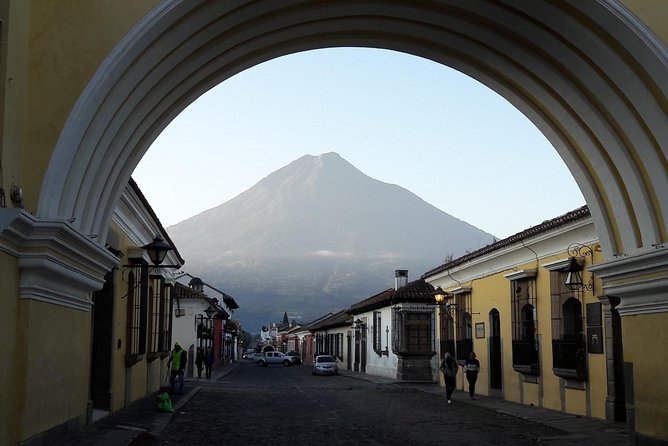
column 370, row 300
column 574, row 215
column 332, row 320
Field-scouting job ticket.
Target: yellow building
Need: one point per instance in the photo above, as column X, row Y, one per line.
column 132, row 313
column 538, row 319
column 85, row 357
column 87, row 86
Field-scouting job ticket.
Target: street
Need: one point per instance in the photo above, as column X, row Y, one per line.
column 287, row 405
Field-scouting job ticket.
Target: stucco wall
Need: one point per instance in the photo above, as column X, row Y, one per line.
column 490, row 289
column 10, row 348
column 67, row 42
column 645, row 347
column 56, row 364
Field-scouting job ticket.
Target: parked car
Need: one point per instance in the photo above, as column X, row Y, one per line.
column 256, row 357
column 270, row 358
column 295, row 357
column 324, row 365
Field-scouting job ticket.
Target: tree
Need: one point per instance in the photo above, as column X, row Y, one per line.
column 285, row 318
column 247, row 338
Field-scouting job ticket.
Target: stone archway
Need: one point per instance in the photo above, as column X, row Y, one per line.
column 590, row 76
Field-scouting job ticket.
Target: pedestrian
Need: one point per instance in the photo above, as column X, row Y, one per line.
column 449, row 368
column 199, row 362
column 472, row 367
column 177, row 367
column 208, row 362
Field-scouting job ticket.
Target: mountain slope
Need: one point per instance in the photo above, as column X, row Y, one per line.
column 315, row 228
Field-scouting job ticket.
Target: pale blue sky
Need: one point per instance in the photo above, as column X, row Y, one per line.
column 398, row 118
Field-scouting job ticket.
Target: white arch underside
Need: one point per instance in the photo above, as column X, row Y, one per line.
column 588, row 76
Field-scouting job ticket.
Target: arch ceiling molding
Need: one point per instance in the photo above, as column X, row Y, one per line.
column 589, row 75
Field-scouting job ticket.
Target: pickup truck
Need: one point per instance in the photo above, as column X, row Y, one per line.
column 269, row 358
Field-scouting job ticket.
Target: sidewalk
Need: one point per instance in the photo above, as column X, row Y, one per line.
column 578, row 429
column 136, row 424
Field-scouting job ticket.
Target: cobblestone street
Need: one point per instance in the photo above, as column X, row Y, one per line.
column 287, row 405
column 245, row 404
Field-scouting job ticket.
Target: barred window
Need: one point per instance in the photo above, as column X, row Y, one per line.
column 524, row 326
column 159, row 310
column 568, row 340
column 413, row 330
column 377, row 332
column 338, row 345
column 418, row 332
column 165, row 339
column 136, row 313
column 447, row 324
column 464, row 325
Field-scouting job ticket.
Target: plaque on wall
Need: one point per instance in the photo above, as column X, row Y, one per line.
column 480, row 330
column 595, row 339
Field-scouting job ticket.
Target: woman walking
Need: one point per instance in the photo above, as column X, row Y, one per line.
column 472, row 367
column 449, row 368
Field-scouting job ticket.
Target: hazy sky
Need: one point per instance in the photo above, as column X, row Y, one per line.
column 399, row 119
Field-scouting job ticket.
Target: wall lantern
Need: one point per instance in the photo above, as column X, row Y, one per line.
column 157, row 250
column 210, row 312
column 574, row 277
column 439, row 296
column 439, row 299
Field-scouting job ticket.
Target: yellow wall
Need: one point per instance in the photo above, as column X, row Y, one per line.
column 645, row 346
column 68, row 40
column 494, row 292
column 653, row 13
column 10, row 347
column 143, row 378
column 56, row 365
column 118, row 378
column 488, row 293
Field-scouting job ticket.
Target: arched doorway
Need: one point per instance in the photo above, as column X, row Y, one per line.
column 495, row 353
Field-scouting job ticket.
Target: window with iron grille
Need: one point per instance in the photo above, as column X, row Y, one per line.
column 524, row 326
column 413, row 330
column 155, row 305
column 464, row 325
column 338, row 345
column 569, row 359
column 160, row 321
column 418, row 333
column 447, row 329
column 165, row 340
column 137, row 316
column 320, row 342
column 377, row 332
